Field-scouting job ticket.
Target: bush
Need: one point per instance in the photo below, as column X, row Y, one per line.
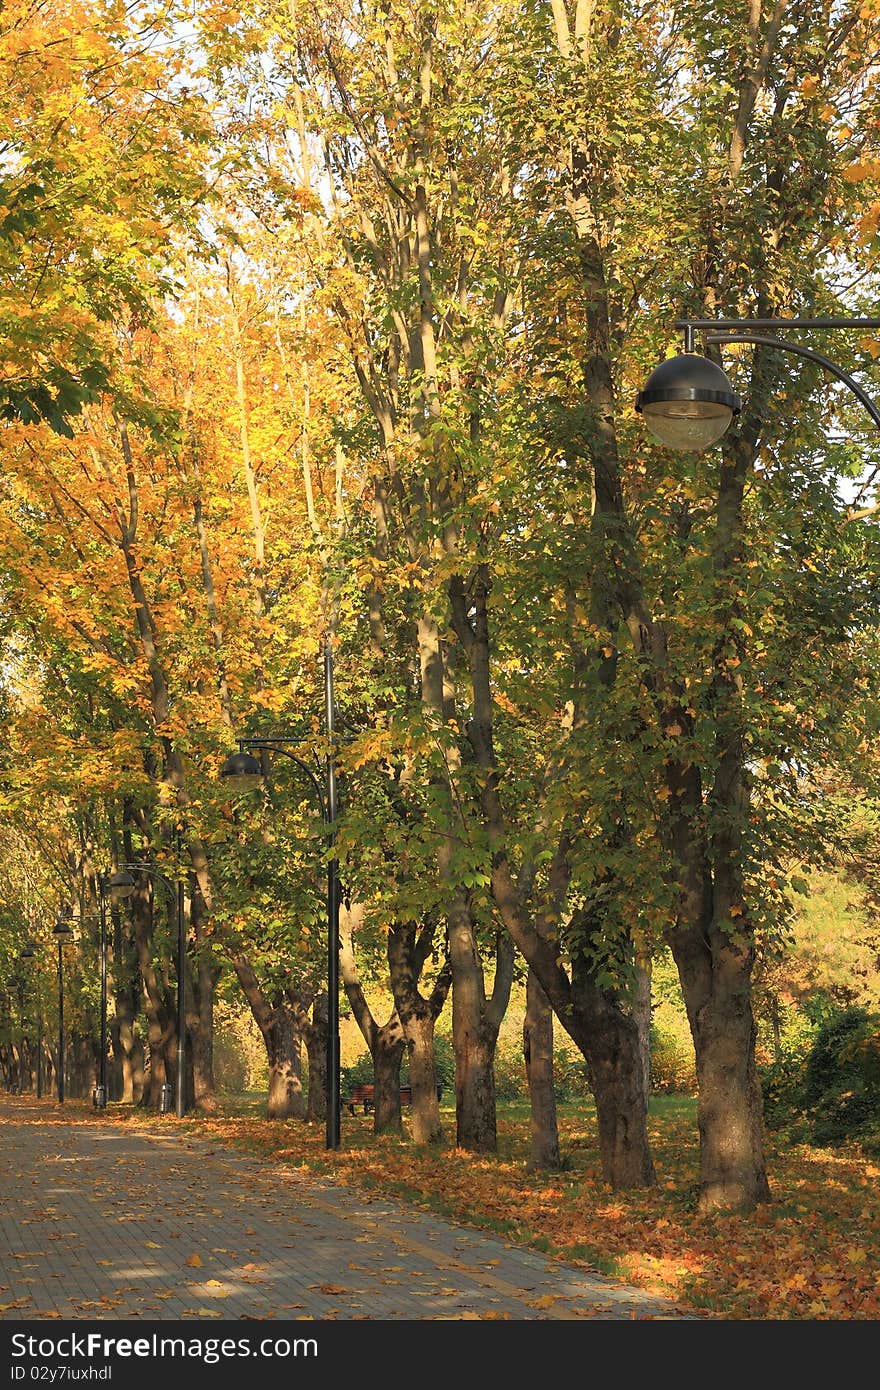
column 842, row 1086
column 569, row 1075
column 510, row 1074
column 834, row 1093
column 826, row 1064
column 358, row 1073
column 673, row 1066
column 782, row 1089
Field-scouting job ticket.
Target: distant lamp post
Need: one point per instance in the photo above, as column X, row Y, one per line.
column 29, row 953
column 688, row 401
column 117, row 887
column 122, row 885
column 63, row 932
column 243, row 772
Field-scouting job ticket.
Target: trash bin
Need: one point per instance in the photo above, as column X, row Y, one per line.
column 164, row 1098
column 99, row 1097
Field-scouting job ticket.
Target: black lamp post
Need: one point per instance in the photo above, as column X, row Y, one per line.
column 688, row 401
column 122, row 885
column 117, row 886
column 62, row 931
column 28, row 953
column 20, row 986
column 244, row 772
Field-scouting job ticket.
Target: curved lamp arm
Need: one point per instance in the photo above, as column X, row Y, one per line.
column 785, row 345
column 149, row 872
column 278, row 745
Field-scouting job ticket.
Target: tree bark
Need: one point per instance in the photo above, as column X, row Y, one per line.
column 387, row 1057
column 385, row 1041
column 203, row 974
column 583, row 1007
column 285, row 1097
column 407, row 953
column 282, row 1039
column 538, row 1057
column 315, row 1034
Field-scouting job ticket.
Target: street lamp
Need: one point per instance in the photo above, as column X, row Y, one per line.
column 18, row 980
column 117, row 886
column 688, row 401
column 62, row 931
column 28, row 953
column 243, row 771
column 122, row 885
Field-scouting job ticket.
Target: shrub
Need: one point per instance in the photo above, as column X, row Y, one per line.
column 842, row 1085
column 569, row 1074
column 782, row 1089
column 833, row 1093
column 510, row 1074
column 827, row 1062
column 357, row 1073
column 360, row 1071
column 673, row 1066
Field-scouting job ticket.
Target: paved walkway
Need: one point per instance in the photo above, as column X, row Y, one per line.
column 101, row 1222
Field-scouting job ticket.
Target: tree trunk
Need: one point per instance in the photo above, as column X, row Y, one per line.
column 776, row 1024
column 418, row 1014
column 285, row 1099
column 733, row 1174
column 387, row 1057
column 203, row 974
column 425, row 1123
column 385, row 1041
column 538, row 1056
column 316, row 1046
column 613, row 1056
column 578, row 1002
column 280, row 1031
column 128, row 1048
column 473, row 1039
column 159, row 1018
column 642, row 1015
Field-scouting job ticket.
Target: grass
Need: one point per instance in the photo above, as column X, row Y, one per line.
column 810, row 1254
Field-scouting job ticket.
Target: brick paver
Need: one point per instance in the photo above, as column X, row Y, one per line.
column 99, row 1221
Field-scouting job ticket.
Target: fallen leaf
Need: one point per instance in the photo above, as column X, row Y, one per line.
column 194, row 1261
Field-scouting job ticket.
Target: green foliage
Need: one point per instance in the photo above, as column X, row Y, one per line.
column 444, row 1060
column 569, row 1075
column 358, row 1073
column 510, row 1073
column 834, row 1093
column 673, row 1068
column 239, row 1055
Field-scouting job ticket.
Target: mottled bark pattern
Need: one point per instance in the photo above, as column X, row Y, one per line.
column 418, row 1013
column 538, row 1058
column 315, row 1035
column 285, row 1098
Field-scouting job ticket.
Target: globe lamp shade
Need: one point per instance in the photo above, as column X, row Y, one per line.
column 242, row 772
column 688, row 402
column 121, row 885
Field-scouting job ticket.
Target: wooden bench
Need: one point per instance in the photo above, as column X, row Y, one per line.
column 364, row 1095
